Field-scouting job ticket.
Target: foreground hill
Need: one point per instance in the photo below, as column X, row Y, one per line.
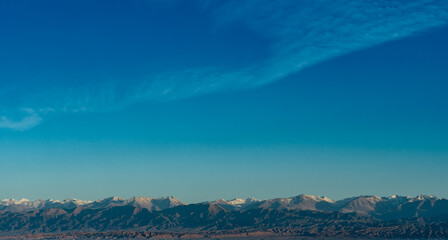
column 303, row 215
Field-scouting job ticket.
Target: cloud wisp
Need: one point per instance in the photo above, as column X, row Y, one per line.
column 302, row 33
column 30, row 120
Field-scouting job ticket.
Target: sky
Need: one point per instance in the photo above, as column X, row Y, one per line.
column 221, row 99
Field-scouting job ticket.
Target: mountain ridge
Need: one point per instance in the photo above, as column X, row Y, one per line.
column 302, row 215
column 385, row 208
column 153, row 204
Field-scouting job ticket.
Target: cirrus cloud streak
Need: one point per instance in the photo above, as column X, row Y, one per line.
column 302, row 33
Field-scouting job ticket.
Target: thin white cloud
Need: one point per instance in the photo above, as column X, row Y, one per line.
column 302, row 33
column 30, row 120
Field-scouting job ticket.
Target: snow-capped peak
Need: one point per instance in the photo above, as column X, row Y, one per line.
column 23, row 200
column 238, row 201
column 426, row 197
column 314, row 198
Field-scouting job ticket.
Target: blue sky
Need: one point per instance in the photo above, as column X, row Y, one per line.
column 222, row 99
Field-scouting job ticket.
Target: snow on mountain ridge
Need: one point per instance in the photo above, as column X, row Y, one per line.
column 360, row 204
column 365, row 205
column 153, row 204
column 427, row 197
column 314, row 198
column 242, row 201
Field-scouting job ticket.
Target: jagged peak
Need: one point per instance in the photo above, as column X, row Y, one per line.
column 236, row 201
column 23, row 200
column 239, row 201
column 301, row 201
column 327, row 199
column 396, row 196
column 426, row 197
column 314, row 197
column 113, row 198
column 14, row 201
column 169, row 197
column 371, row 199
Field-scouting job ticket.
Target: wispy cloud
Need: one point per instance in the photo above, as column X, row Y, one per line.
column 302, row 33
column 30, row 120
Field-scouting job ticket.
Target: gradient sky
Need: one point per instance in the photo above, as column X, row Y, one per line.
column 221, row 99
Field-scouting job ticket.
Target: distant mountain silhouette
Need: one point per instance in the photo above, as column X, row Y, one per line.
column 153, row 204
column 303, row 215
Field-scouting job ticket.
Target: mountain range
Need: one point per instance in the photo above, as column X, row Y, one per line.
column 153, row 204
column 384, row 208
column 303, row 215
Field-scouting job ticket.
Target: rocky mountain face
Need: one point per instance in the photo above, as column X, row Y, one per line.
column 303, row 215
column 152, row 204
column 384, row 208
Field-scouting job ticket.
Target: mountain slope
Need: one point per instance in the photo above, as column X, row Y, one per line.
column 303, row 215
column 385, row 208
column 202, row 220
column 153, row 204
